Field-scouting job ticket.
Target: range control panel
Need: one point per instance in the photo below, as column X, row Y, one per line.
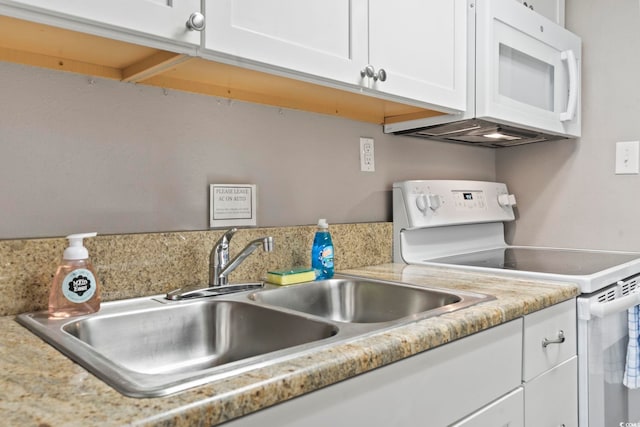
column 433, row 203
column 468, row 200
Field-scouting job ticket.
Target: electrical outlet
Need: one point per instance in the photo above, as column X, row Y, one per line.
column 367, row 157
column 627, row 158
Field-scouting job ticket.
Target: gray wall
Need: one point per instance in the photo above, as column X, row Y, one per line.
column 568, row 194
column 78, row 154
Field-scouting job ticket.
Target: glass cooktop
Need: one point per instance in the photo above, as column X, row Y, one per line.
column 541, row 260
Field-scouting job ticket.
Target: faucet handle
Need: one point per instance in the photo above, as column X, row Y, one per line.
column 267, row 244
column 226, row 237
column 219, row 256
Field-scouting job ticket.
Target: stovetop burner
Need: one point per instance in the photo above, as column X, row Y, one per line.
column 540, row 260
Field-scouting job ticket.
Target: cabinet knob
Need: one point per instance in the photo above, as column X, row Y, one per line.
column 558, row 340
column 196, row 22
column 368, row 71
column 380, row 75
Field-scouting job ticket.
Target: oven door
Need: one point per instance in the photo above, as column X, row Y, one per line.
column 602, row 348
column 527, row 69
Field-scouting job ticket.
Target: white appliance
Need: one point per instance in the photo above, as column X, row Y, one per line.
column 459, row 225
column 552, row 9
column 523, row 82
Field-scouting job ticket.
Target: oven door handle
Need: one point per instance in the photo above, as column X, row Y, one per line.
column 616, row 306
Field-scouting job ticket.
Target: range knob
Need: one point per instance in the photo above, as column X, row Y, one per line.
column 427, row 201
column 433, row 201
column 421, row 203
column 506, row 200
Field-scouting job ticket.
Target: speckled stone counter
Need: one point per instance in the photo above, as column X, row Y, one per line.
column 134, row 265
column 41, row 387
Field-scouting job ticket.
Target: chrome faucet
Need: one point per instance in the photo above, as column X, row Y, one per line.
column 220, row 267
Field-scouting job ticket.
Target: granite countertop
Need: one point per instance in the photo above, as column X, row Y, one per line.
column 41, row 387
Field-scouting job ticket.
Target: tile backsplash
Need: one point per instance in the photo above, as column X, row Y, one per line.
column 134, row 265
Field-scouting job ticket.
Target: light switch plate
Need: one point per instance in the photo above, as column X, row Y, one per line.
column 627, row 157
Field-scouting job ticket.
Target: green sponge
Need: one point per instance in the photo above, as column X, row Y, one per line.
column 291, row 276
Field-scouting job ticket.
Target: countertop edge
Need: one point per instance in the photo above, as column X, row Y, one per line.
column 234, row 397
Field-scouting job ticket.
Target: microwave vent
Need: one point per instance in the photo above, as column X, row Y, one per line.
column 480, row 133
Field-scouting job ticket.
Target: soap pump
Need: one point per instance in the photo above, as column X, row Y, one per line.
column 74, row 289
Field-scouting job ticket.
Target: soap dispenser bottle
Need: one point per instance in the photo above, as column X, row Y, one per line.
column 74, row 290
column 322, row 252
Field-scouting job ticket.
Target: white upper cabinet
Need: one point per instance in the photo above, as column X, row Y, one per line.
column 422, row 46
column 322, row 38
column 413, row 49
column 159, row 19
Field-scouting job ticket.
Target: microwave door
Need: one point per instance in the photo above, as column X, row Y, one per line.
column 528, row 69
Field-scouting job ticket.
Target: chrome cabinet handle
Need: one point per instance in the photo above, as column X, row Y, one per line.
column 558, row 340
column 196, row 22
column 381, row 75
column 370, row 71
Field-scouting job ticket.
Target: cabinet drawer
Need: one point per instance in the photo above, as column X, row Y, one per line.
column 508, row 411
column 552, row 398
column 541, row 329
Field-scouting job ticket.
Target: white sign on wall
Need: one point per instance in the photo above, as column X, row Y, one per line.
column 232, row 205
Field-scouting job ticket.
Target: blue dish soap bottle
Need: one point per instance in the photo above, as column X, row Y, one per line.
column 322, row 252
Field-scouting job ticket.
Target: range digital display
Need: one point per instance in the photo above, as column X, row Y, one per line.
column 467, row 196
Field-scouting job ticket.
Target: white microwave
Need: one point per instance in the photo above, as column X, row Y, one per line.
column 523, row 82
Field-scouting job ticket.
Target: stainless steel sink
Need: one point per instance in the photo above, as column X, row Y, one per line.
column 358, row 300
column 145, row 348
column 148, row 347
column 194, row 337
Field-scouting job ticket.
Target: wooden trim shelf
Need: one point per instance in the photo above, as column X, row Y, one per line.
column 55, row 48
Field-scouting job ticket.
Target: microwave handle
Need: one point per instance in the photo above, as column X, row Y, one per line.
column 572, row 102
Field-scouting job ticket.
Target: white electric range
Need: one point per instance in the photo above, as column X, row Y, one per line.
column 460, row 225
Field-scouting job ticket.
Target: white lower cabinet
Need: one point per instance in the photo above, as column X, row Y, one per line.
column 550, row 367
column 431, row 389
column 549, row 338
column 551, row 400
column 504, row 412
column 518, row 374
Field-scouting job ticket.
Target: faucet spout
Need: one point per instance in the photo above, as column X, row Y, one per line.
column 265, row 242
column 221, row 267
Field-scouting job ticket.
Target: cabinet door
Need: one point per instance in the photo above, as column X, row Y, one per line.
column 507, row 411
column 551, row 400
column 433, row 388
column 326, row 39
column 165, row 19
column 422, row 46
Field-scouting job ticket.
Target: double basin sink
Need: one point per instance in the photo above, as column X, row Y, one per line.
column 148, row 347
